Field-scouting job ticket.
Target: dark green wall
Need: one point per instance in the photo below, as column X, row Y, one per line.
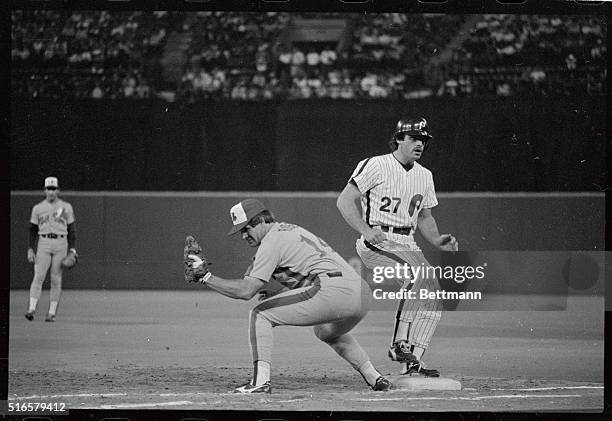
column 135, row 241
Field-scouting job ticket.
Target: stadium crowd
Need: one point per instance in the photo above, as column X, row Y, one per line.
column 249, row 56
column 514, row 54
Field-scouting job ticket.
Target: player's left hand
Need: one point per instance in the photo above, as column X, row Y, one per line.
column 196, row 265
column 447, row 242
column 70, row 260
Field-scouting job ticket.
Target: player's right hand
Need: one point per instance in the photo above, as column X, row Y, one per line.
column 448, row 243
column 374, row 235
column 31, row 256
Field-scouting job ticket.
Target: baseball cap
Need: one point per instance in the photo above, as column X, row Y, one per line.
column 51, row 182
column 242, row 213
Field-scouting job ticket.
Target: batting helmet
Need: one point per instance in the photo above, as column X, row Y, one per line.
column 413, row 127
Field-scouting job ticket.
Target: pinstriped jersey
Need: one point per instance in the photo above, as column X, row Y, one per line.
column 52, row 217
column 391, row 194
column 297, row 254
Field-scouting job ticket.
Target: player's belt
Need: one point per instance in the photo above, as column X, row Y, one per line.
column 395, row 230
column 329, row 275
column 52, row 235
column 309, row 280
column 334, row 274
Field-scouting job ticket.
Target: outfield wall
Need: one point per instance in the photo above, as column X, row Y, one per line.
column 135, row 240
column 500, row 144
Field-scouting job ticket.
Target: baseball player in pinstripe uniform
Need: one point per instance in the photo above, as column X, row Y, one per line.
column 52, row 234
column 386, row 199
column 320, row 289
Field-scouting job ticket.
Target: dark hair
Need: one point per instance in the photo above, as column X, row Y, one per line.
column 393, row 144
column 394, row 138
column 262, row 217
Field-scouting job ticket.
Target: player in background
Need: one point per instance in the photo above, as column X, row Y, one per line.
column 52, row 234
column 386, row 199
column 320, row 289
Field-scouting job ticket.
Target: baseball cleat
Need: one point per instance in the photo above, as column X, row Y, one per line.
column 400, row 352
column 50, row 318
column 382, row 385
column 417, row 368
column 250, row 388
column 29, row 315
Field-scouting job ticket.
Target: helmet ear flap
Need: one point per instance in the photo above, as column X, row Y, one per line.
column 425, row 144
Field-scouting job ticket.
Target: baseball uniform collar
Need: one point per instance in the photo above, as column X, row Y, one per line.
column 407, row 167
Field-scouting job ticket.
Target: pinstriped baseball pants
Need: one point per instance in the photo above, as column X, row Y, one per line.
column 423, row 315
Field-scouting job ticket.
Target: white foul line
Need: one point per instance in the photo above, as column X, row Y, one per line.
column 104, row 395
column 465, row 398
column 145, row 405
column 79, row 395
column 535, row 389
column 459, row 398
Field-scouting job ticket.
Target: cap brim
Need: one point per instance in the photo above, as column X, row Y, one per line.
column 416, row 135
column 237, row 228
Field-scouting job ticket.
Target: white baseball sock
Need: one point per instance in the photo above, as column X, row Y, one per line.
column 418, row 352
column 33, row 302
column 52, row 307
column 401, row 333
column 369, row 373
column 262, row 372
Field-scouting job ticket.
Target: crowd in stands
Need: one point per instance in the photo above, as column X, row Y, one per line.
column 514, row 54
column 87, row 53
column 502, row 40
column 399, row 40
column 250, row 56
column 382, row 61
column 231, row 54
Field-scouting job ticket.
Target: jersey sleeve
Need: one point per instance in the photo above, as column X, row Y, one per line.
column 430, row 199
column 69, row 214
column 34, row 215
column 248, row 270
column 366, row 175
column 266, row 260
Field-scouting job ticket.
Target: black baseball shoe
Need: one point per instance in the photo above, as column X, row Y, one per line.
column 50, row 317
column 400, row 352
column 249, row 388
column 29, row 315
column 382, row 385
column 417, row 368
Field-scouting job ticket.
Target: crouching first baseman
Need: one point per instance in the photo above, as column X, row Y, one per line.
column 320, row 289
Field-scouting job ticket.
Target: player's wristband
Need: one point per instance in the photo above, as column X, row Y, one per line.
column 205, row 278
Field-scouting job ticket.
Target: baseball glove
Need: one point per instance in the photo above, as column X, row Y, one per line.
column 196, row 265
column 70, row 260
